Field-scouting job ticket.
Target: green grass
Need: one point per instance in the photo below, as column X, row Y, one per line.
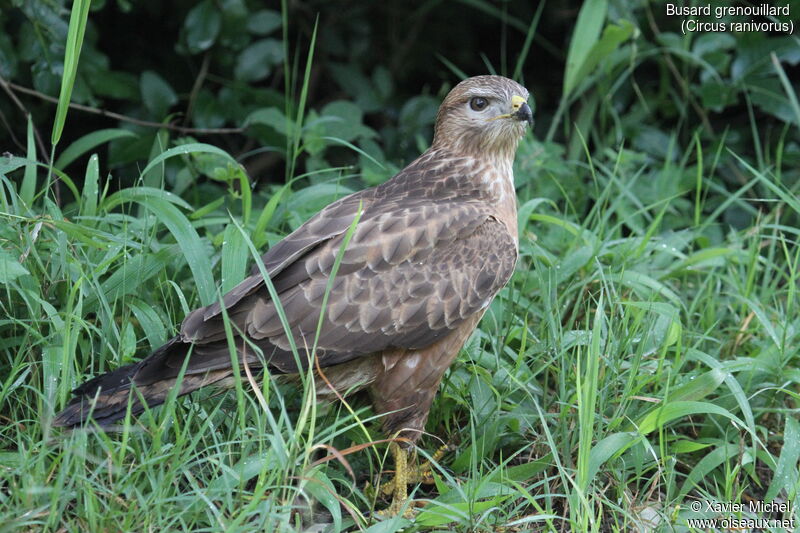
column 627, row 370
column 645, row 355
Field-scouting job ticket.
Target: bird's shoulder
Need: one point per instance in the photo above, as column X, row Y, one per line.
column 437, row 197
column 433, row 182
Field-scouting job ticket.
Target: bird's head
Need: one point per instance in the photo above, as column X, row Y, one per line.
column 483, row 115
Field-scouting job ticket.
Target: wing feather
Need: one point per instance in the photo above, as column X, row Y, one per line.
column 414, row 270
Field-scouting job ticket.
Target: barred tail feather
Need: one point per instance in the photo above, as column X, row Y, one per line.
column 105, row 398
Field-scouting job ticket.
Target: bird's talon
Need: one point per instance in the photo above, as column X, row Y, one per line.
column 387, row 488
column 406, row 474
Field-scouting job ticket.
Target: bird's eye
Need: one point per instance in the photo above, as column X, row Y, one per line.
column 478, row 103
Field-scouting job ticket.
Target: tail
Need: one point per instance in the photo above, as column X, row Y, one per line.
column 105, row 398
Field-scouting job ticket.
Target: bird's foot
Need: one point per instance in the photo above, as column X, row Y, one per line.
column 416, row 474
column 402, row 508
column 407, row 474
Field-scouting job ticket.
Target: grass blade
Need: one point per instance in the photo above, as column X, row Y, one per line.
column 234, row 258
column 28, row 188
column 87, row 143
column 90, row 188
column 786, row 473
column 189, row 242
column 585, row 35
column 72, row 53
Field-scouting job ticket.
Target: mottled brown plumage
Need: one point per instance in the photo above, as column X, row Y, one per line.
column 432, row 248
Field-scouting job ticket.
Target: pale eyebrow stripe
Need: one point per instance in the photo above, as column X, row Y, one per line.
column 483, row 93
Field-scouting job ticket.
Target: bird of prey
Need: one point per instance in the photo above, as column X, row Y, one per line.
column 430, row 250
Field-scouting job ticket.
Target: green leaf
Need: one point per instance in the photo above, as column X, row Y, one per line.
column 90, row 187
column 294, row 142
column 588, row 237
column 189, row 242
column 154, row 177
column 436, row 514
column 259, row 232
column 667, row 327
column 670, row 411
column 390, row 525
column 10, row 268
column 699, row 386
column 209, row 111
column 12, row 163
column 27, row 189
column 151, row 323
column 708, row 43
column 186, row 149
column 788, row 88
column 768, row 95
column 614, row 444
column 717, row 95
column 263, row 22
column 210, row 207
column 709, row 258
column 356, row 84
column 157, row 94
column 256, row 61
column 419, row 112
column 119, row 85
column 374, row 173
column 322, row 490
column 72, row 53
column 752, row 58
column 346, row 120
column 688, row 446
column 708, row 463
column 127, row 341
column 82, row 233
column 645, row 285
column 89, row 142
column 786, row 471
column 613, row 36
column 585, row 35
column 14, row 460
column 137, row 194
column 202, row 26
column 272, row 117
column 234, row 258
column 522, row 472
column 129, row 277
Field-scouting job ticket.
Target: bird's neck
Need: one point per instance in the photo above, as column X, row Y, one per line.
column 441, row 174
column 488, row 178
column 496, row 149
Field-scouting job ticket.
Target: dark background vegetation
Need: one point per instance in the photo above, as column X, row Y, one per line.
column 644, row 356
column 212, row 64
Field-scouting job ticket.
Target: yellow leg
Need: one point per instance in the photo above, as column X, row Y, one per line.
column 406, row 474
column 425, row 470
column 400, row 482
column 418, row 474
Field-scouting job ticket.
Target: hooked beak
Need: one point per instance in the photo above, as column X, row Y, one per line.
column 522, row 111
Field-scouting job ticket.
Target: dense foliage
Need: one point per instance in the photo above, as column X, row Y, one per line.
column 645, row 355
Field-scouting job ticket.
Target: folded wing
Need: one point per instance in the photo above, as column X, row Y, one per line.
column 411, row 273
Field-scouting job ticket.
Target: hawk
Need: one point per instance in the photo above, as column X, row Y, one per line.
column 431, row 248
